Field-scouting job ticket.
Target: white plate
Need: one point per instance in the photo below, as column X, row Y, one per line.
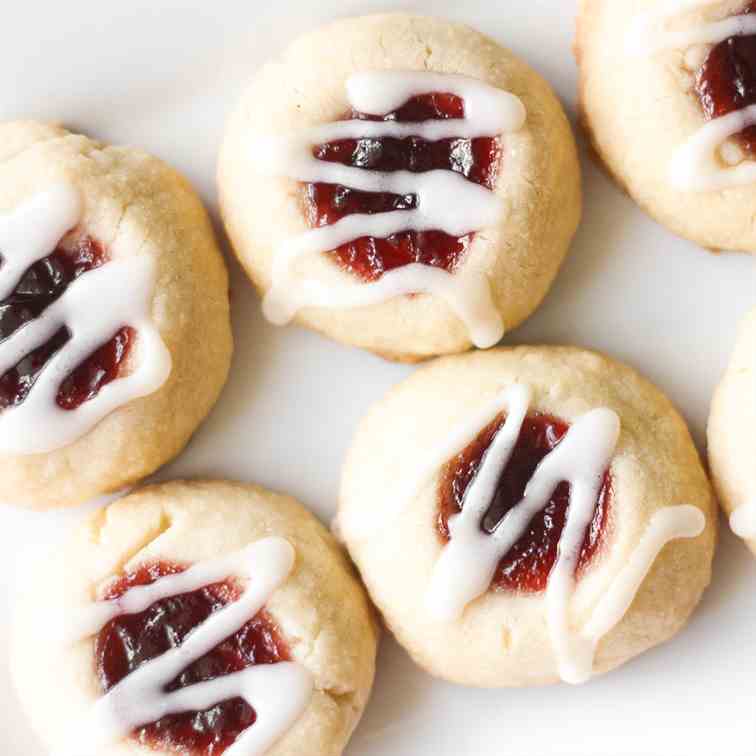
column 163, row 76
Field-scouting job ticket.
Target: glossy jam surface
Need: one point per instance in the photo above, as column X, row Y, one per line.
column 127, row 642
column 727, row 81
column 526, row 566
column 41, row 285
column 368, row 257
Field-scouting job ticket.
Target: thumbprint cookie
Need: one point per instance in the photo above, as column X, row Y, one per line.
column 525, row 516
column 201, row 618
column 668, row 93
column 115, row 338
column 732, row 445
column 400, row 183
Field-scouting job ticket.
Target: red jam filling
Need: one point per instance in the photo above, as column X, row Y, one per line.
column 41, row 285
column 127, row 642
column 526, row 566
column 475, row 159
column 727, row 81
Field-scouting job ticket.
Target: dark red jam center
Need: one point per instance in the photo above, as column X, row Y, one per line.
column 526, row 566
column 368, row 257
column 127, row 642
column 41, row 285
column 727, row 81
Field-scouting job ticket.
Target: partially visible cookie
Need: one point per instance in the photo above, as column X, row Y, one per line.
column 115, row 338
column 668, row 95
column 732, row 442
column 200, row 618
column 400, row 183
column 526, row 515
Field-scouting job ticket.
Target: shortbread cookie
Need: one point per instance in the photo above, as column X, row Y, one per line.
column 527, row 515
column 400, row 183
column 732, row 444
column 668, row 92
column 198, row 618
column 115, row 338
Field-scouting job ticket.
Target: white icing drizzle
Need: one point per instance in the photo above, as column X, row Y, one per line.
column 743, row 520
column 94, row 307
column 468, row 561
column 353, row 522
column 649, row 33
column 668, row 524
column 278, row 692
column 696, row 166
column 489, row 112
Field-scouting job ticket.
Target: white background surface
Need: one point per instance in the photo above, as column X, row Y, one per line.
column 163, row 76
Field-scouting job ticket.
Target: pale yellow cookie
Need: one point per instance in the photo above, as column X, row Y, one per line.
column 319, row 612
column 469, row 614
column 732, row 444
column 137, row 211
column 516, row 257
column 642, row 101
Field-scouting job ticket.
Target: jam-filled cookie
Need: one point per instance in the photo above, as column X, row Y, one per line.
column 200, row 618
column 115, row 338
column 523, row 516
column 732, row 444
column 400, row 183
column 668, row 92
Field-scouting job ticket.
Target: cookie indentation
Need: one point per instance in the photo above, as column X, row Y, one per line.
column 368, row 257
column 129, row 641
column 527, row 565
column 40, row 286
column 726, row 81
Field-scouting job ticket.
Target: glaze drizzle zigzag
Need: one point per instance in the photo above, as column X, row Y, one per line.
column 119, row 292
column 695, row 166
column 489, row 112
column 466, row 565
column 278, row 692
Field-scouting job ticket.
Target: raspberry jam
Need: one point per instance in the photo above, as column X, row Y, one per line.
column 127, row 642
column 41, row 285
column 727, row 81
column 475, row 159
column 526, row 566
